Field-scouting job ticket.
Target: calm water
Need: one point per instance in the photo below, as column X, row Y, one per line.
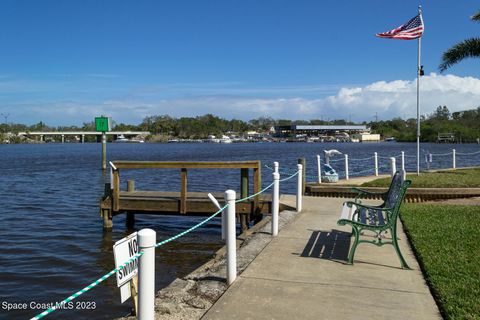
column 51, row 232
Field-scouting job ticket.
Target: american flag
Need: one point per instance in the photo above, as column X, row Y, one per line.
column 413, row 29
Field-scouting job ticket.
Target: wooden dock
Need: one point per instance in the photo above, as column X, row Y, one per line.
column 131, row 201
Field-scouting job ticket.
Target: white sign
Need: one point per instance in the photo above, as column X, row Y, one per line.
column 123, row 250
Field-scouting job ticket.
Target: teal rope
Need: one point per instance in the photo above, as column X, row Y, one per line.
column 191, row 229
column 256, row 194
column 288, row 178
column 90, row 286
column 108, row 275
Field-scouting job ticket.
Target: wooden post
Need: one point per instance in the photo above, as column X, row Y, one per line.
column 116, row 190
column 107, row 220
column 130, row 220
column 244, row 191
column 134, row 292
column 303, row 162
column 257, row 186
column 243, row 183
column 183, row 191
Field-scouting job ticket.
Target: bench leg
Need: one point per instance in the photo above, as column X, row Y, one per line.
column 351, row 255
column 397, row 250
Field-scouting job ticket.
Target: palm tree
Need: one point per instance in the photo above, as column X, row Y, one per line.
column 465, row 49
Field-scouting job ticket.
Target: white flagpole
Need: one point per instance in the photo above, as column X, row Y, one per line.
column 418, row 94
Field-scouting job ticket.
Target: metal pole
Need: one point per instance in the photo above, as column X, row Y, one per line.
column 454, row 164
column 275, row 166
column 375, row 157
column 275, row 203
column 403, row 160
column 299, row 187
column 146, row 275
column 319, row 169
column 346, row 167
column 104, row 151
column 418, row 97
column 230, row 196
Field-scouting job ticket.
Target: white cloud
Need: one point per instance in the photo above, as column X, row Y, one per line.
column 387, row 99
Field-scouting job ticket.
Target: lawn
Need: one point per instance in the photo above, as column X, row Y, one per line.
column 446, row 240
column 460, row 178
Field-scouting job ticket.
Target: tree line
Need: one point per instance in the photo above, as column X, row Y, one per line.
column 465, row 125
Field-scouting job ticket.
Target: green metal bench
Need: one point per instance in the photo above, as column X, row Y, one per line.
column 378, row 219
column 397, row 178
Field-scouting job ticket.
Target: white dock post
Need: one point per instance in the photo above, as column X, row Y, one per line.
column 454, row 163
column 230, row 196
column 275, row 166
column 319, row 169
column 404, row 173
column 393, row 165
column 146, row 274
column 299, row 187
column 346, row 167
column 375, row 157
column 275, row 203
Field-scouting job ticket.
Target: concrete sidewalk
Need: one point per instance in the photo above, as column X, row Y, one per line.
column 302, row 274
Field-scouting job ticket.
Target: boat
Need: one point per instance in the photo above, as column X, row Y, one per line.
column 390, row 139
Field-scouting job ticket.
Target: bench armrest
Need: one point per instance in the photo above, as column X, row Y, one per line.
column 361, row 205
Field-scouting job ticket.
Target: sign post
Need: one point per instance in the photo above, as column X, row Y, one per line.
column 103, row 124
column 123, row 250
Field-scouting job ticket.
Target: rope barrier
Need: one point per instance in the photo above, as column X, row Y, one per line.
column 256, row 194
column 467, row 154
column 90, row 286
column 441, row 154
column 361, row 159
column 109, row 274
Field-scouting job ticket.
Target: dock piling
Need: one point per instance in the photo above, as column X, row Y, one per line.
column 146, row 274
column 299, row 187
column 230, row 196
column 275, row 203
column 130, row 219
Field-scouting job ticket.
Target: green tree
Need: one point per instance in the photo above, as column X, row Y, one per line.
column 466, row 49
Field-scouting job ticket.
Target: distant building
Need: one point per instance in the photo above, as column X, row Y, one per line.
column 314, row 130
column 366, row 137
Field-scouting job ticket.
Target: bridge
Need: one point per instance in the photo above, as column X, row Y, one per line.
column 80, row 134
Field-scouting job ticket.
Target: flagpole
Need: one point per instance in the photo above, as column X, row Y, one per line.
column 418, row 96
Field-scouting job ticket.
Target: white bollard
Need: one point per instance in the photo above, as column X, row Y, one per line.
column 299, row 187
column 393, row 165
column 403, row 161
column 275, row 203
column 275, row 166
column 404, row 173
column 346, row 167
column 146, row 274
column 375, row 157
column 319, row 169
column 230, row 197
column 454, row 163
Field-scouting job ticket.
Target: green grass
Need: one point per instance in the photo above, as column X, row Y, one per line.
column 446, row 240
column 461, row 178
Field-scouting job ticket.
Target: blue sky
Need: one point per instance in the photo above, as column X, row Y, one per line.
column 65, row 62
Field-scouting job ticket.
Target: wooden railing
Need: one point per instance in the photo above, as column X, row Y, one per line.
column 183, row 166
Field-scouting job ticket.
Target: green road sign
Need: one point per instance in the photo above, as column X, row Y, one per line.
column 102, row 124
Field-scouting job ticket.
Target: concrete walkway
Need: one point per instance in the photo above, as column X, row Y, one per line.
column 302, row 274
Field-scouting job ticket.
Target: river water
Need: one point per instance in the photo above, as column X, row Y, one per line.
column 52, row 243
